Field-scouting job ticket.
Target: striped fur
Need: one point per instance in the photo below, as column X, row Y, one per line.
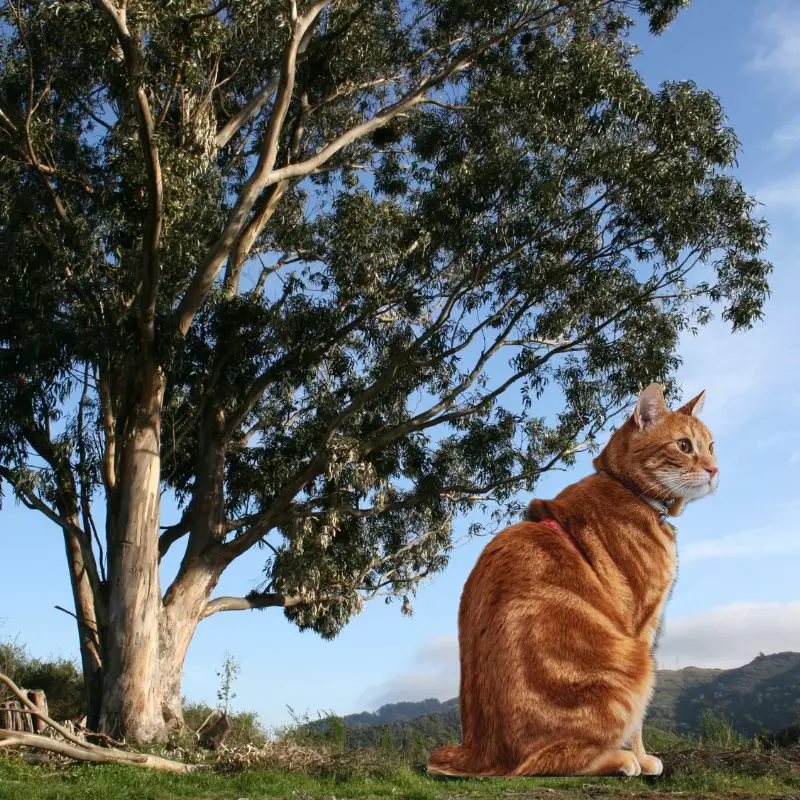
column 556, row 640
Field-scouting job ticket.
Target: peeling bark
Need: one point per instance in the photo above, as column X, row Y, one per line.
column 131, row 705
column 184, row 607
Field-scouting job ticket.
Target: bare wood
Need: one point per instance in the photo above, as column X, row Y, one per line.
column 93, row 754
column 84, row 490
column 6, row 720
column 173, row 534
column 146, row 126
column 39, row 699
column 203, row 280
column 13, row 717
column 242, row 248
column 131, row 679
column 74, row 746
column 238, row 120
column 23, row 698
column 256, row 600
column 109, row 432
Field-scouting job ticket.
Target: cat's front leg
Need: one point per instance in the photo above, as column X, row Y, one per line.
column 650, row 764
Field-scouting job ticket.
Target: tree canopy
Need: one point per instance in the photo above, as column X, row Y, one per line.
column 312, row 265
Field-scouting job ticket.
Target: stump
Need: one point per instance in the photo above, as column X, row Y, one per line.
column 214, row 734
column 15, row 717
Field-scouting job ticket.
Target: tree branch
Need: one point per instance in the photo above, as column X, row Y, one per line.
column 146, row 127
column 27, row 149
column 212, row 12
column 244, row 243
column 241, row 118
column 265, row 175
column 256, row 600
column 83, row 478
column 203, row 280
column 35, row 503
column 109, row 462
column 77, row 748
column 172, row 534
column 414, row 96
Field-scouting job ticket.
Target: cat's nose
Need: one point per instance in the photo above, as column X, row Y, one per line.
column 712, row 471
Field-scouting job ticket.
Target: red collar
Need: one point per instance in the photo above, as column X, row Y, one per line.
column 553, row 525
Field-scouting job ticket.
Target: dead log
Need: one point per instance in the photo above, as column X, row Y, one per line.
column 15, row 716
column 38, row 698
column 75, row 747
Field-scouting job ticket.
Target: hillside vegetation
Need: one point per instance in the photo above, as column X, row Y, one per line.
column 763, row 695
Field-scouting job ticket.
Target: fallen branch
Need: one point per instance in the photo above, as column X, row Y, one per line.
column 77, row 748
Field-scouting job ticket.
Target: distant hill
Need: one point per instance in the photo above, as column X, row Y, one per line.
column 400, row 712
column 761, row 695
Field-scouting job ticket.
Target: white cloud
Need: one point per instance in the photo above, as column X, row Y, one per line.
column 785, row 139
column 729, row 636
column 782, row 193
column 779, row 50
column 773, row 541
column 435, row 673
column 723, row 637
column 778, row 536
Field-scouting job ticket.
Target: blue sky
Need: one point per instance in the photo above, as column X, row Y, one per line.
column 738, row 592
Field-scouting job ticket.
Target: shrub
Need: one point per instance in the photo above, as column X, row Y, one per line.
column 59, row 679
column 717, row 730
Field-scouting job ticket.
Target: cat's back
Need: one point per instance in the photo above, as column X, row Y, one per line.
column 523, row 556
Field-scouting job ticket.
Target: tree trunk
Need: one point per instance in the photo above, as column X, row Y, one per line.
column 89, row 627
column 131, row 705
column 186, row 599
column 184, row 605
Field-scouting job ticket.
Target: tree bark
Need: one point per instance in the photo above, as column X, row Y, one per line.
column 187, row 597
column 89, row 627
column 131, row 703
column 184, row 607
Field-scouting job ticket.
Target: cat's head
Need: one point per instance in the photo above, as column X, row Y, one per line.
column 667, row 455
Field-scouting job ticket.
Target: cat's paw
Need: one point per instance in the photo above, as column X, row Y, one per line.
column 615, row 762
column 651, row 765
column 630, row 768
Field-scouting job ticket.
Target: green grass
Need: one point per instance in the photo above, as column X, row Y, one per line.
column 717, row 767
column 20, row 781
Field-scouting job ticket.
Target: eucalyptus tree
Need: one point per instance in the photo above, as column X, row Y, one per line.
column 309, row 266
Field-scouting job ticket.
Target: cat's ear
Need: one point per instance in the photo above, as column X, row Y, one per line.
column 694, row 406
column 650, row 407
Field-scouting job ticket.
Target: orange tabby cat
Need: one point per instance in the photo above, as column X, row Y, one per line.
column 559, row 616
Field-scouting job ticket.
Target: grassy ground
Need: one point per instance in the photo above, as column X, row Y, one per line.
column 691, row 774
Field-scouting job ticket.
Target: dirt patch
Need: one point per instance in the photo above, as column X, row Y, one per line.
column 600, row 792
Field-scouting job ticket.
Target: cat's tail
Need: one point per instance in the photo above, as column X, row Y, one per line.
column 455, row 759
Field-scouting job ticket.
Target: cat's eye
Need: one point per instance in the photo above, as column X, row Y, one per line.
column 711, row 448
column 685, row 445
